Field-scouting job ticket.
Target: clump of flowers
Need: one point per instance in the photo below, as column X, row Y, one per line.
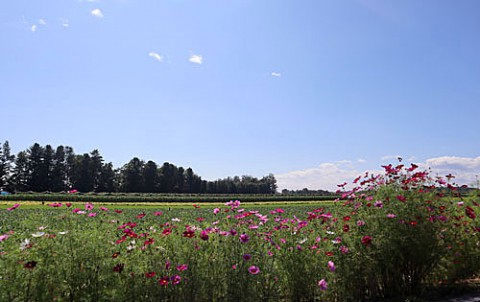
column 406, row 227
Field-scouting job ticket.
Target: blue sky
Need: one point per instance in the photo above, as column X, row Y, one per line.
column 312, row 91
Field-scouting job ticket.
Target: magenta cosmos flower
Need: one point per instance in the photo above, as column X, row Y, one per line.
column 176, row 279
column 244, row 238
column 323, row 284
column 366, row 240
column 13, row 207
column 254, row 270
column 331, row 266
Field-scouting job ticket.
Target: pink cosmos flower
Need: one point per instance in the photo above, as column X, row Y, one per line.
column 366, row 240
column 104, row 209
column 390, row 215
column 182, row 267
column 158, row 213
column 89, row 206
column 164, row 281
column 244, row 238
column 92, row 214
column 247, row 257
column 13, row 207
column 55, row 204
column 331, row 266
column 323, row 284
column 176, row 279
column 3, row 237
column 216, row 211
column 254, row 270
column 204, row 235
column 68, row 204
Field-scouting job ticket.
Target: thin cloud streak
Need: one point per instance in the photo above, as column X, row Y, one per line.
column 197, row 59
column 65, row 23
column 156, row 56
column 97, row 13
column 276, row 74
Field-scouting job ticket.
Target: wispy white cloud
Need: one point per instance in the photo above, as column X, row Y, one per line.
column 465, row 169
column 42, row 22
column 197, row 59
column 156, row 56
column 361, row 161
column 327, row 176
column 65, row 23
column 391, row 158
column 324, row 177
column 343, row 162
column 276, row 74
column 97, row 13
column 33, row 28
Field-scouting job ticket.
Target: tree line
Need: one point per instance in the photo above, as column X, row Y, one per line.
column 47, row 169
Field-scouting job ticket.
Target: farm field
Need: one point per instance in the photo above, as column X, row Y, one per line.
column 142, row 198
column 394, row 241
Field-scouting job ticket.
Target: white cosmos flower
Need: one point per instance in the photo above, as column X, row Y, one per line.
column 175, row 219
column 303, row 241
column 63, row 233
column 24, row 244
column 38, row 234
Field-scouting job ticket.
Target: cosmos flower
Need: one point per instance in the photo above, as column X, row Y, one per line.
column 254, row 270
column 331, row 266
column 176, row 279
column 244, row 238
column 366, row 240
column 322, row 284
column 25, row 244
column 13, row 207
column 164, row 281
column 118, row 268
column 30, row 264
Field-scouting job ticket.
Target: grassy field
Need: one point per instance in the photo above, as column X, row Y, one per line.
column 395, row 240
